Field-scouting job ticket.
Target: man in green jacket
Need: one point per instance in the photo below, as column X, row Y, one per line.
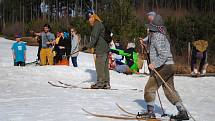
column 101, row 50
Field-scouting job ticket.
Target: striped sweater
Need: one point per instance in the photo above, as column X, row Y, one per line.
column 159, row 50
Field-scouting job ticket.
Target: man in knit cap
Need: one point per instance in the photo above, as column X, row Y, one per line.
column 161, row 60
column 101, row 50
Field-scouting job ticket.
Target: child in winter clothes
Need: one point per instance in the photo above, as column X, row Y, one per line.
column 19, row 51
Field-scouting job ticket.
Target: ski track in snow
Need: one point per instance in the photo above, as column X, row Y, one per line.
column 25, row 94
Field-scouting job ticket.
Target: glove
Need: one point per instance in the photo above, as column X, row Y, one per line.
column 84, row 48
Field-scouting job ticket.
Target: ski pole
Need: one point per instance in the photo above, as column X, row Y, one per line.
column 164, row 114
column 168, row 87
column 94, row 56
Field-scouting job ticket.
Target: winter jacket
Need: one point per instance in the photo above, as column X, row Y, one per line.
column 131, row 57
column 59, row 52
column 159, row 50
column 74, row 46
column 97, row 39
column 68, row 46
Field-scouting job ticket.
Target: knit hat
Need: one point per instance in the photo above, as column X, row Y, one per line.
column 88, row 14
column 19, row 35
column 157, row 25
column 91, row 13
column 65, row 34
column 152, row 13
column 58, row 33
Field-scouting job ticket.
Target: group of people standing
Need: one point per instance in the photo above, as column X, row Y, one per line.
column 58, row 50
column 52, row 50
column 157, row 45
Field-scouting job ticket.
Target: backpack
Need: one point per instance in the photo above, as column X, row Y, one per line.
column 200, row 45
column 108, row 35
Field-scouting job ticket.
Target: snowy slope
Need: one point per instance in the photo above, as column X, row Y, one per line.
column 25, row 94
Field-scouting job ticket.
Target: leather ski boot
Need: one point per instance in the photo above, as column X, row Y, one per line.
column 149, row 114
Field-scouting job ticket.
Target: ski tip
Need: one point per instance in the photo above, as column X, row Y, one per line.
column 60, row 82
column 117, row 105
column 86, row 111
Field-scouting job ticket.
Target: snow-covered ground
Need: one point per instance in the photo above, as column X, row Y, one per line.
column 25, row 94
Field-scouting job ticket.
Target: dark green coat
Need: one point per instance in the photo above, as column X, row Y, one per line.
column 97, row 39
